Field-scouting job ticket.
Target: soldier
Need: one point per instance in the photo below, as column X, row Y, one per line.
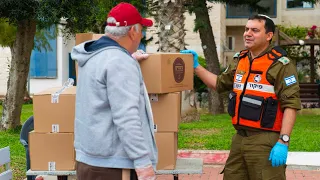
column 263, row 102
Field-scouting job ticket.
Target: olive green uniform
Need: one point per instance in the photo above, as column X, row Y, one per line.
column 250, row 148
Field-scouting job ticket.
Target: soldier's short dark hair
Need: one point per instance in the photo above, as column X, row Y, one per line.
column 268, row 25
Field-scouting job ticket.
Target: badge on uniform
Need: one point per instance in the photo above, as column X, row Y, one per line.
column 239, row 77
column 257, row 78
column 290, row 80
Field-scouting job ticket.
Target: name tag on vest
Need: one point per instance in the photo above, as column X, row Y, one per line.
column 255, row 87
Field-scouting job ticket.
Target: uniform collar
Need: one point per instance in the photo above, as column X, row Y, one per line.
column 262, row 53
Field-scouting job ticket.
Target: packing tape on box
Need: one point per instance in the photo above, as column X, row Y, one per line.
column 55, row 128
column 51, row 166
column 55, row 96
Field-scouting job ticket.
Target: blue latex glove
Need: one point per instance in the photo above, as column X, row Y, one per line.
column 195, row 57
column 278, row 154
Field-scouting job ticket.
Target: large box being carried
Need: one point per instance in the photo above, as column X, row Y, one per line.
column 167, row 72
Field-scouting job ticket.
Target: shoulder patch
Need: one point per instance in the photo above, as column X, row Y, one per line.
column 284, row 60
column 236, row 55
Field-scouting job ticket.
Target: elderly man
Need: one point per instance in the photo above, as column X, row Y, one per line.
column 113, row 123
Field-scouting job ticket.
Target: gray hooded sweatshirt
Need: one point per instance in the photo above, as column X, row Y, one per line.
column 113, row 119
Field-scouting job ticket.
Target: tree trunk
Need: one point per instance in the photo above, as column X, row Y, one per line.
column 170, row 18
column 209, row 50
column 171, row 25
column 312, row 65
column 19, row 69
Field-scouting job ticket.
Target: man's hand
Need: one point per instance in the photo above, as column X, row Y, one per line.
column 278, row 154
column 140, row 55
column 146, row 173
column 195, row 57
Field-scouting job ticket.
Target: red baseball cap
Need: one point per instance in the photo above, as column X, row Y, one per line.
column 127, row 15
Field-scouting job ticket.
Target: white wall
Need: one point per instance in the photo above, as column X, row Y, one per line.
column 5, row 57
column 64, row 46
column 305, row 17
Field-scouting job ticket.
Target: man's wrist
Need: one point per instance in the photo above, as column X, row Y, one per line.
column 282, row 142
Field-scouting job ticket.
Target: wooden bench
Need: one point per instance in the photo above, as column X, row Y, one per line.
column 310, row 95
column 5, row 161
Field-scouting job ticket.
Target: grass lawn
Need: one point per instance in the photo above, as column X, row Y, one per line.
column 215, row 132
column 12, row 138
column 211, row 132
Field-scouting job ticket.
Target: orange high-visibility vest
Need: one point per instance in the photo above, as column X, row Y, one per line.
column 253, row 102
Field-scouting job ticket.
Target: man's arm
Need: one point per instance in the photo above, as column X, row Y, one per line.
column 221, row 83
column 207, row 77
column 289, row 118
column 123, row 91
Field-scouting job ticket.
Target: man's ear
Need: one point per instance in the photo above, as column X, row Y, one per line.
column 131, row 33
column 269, row 36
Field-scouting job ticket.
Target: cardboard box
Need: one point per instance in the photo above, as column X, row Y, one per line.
column 168, row 72
column 166, row 109
column 167, row 144
column 54, row 117
column 82, row 37
column 51, row 151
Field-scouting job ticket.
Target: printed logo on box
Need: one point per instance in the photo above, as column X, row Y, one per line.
column 178, row 70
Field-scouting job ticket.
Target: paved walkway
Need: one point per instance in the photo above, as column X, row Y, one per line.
column 211, row 172
column 301, row 165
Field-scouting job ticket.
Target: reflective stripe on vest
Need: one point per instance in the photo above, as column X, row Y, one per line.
column 255, row 87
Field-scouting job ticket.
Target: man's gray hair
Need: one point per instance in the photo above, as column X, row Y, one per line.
column 118, row 31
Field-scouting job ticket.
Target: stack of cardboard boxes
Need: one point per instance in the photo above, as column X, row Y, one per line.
column 51, row 142
column 165, row 76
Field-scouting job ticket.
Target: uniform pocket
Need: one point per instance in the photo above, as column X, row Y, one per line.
column 251, row 107
column 232, row 103
column 269, row 113
column 274, row 173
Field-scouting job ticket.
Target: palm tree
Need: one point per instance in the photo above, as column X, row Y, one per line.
column 169, row 17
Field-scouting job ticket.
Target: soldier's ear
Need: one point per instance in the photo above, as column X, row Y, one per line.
column 269, row 36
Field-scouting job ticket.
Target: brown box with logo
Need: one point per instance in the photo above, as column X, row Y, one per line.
column 82, row 37
column 168, row 72
column 166, row 109
column 54, row 114
column 51, row 151
column 167, row 143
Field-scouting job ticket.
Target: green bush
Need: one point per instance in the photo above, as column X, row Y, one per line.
column 295, row 31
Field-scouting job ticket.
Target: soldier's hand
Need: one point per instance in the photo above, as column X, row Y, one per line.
column 146, row 173
column 278, row 154
column 195, row 57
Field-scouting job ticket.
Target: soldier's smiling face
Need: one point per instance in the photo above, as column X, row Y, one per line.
column 255, row 35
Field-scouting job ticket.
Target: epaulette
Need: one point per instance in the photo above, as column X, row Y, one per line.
column 284, row 60
column 243, row 53
column 236, row 55
column 276, row 53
